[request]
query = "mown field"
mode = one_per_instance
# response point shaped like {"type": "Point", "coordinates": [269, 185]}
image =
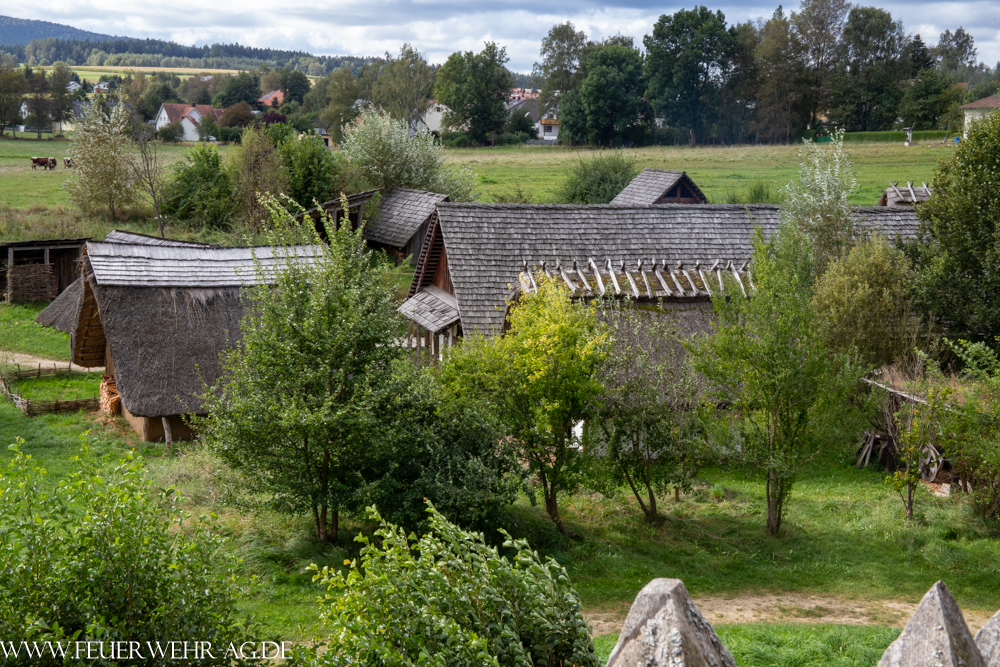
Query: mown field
{"type": "Point", "coordinates": [541, 170]}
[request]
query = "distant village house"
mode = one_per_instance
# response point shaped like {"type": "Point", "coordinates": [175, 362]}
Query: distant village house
{"type": "Point", "coordinates": [188, 115]}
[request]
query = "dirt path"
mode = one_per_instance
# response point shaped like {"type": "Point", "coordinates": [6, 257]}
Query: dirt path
{"type": "Point", "coordinates": [29, 361]}
{"type": "Point", "coordinates": [786, 608]}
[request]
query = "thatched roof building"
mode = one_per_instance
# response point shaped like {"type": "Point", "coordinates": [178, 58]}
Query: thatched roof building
{"type": "Point", "coordinates": [158, 316]}
{"type": "Point", "coordinates": [403, 218]}
{"type": "Point", "coordinates": [907, 195]}
{"type": "Point", "coordinates": [660, 186]}
{"type": "Point", "coordinates": [61, 313]}
{"type": "Point", "coordinates": [475, 253]}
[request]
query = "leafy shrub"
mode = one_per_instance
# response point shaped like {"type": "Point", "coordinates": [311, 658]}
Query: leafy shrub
{"type": "Point", "coordinates": [200, 189]}
{"type": "Point", "coordinates": [255, 168]}
{"type": "Point", "coordinates": [448, 599]}
{"type": "Point", "coordinates": [171, 133]}
{"type": "Point", "coordinates": [103, 556]}
{"type": "Point", "coordinates": [313, 170]}
{"type": "Point", "coordinates": [599, 179]}
{"type": "Point", "coordinates": [456, 140]}
{"type": "Point", "coordinates": [866, 302]}
{"type": "Point", "coordinates": [386, 156]}
{"type": "Point", "coordinates": [520, 120]}
{"type": "Point", "coordinates": [238, 115]}
{"type": "Point", "coordinates": [438, 450]}
{"type": "Point", "coordinates": [232, 135]}
{"type": "Point", "coordinates": [512, 138]}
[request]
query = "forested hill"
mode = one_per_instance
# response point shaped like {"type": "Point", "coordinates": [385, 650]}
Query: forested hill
{"type": "Point", "coordinates": [21, 31]}
{"type": "Point", "coordinates": [44, 43]}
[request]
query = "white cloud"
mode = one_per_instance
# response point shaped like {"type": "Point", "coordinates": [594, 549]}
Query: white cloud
{"type": "Point", "coordinates": [440, 27]}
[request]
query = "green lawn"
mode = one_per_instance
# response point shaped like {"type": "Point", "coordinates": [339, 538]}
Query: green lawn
{"type": "Point", "coordinates": [795, 645]}
{"type": "Point", "coordinates": [540, 170]}
{"type": "Point", "coordinates": [19, 333]}
{"type": "Point", "coordinates": [60, 388]}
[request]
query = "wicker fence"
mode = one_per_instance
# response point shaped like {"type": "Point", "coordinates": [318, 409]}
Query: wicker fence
{"type": "Point", "coordinates": [27, 283]}
{"type": "Point", "coordinates": [33, 408]}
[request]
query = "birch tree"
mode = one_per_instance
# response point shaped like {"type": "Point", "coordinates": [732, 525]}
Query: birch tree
{"type": "Point", "coordinates": [103, 179]}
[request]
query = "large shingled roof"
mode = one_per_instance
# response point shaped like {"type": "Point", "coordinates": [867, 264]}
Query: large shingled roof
{"type": "Point", "coordinates": [115, 264]}
{"type": "Point", "coordinates": [651, 184]}
{"type": "Point", "coordinates": [400, 215]}
{"type": "Point", "coordinates": [488, 244]}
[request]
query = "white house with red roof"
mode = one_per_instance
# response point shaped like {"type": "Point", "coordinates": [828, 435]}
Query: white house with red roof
{"type": "Point", "coordinates": [188, 115]}
{"type": "Point", "coordinates": [979, 109]}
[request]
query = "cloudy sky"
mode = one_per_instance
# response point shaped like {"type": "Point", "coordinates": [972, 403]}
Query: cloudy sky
{"type": "Point", "coordinates": [440, 27]}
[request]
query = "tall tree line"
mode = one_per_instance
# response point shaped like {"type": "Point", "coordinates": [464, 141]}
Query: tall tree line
{"type": "Point", "coordinates": [701, 80]}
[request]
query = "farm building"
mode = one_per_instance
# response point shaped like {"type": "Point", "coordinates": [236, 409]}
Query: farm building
{"type": "Point", "coordinates": [38, 270]}
{"type": "Point", "coordinates": [474, 254]}
{"type": "Point", "coordinates": [978, 110]}
{"type": "Point", "coordinates": [402, 222]}
{"type": "Point", "coordinates": [659, 186]}
{"type": "Point", "coordinates": [61, 313]}
{"type": "Point", "coordinates": [157, 318]}
{"type": "Point", "coordinates": [907, 195]}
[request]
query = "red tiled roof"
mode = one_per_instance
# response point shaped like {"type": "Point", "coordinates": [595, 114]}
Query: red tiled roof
{"type": "Point", "coordinates": [991, 102]}
{"type": "Point", "coordinates": [266, 99]}
{"type": "Point", "coordinates": [178, 112]}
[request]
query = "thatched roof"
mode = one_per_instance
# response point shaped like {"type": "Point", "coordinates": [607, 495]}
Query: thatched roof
{"type": "Point", "coordinates": [483, 247]}
{"type": "Point", "coordinates": [905, 195]}
{"type": "Point", "coordinates": [401, 214]}
{"type": "Point", "coordinates": [651, 186]}
{"type": "Point", "coordinates": [61, 313]}
{"type": "Point", "coordinates": [165, 314]}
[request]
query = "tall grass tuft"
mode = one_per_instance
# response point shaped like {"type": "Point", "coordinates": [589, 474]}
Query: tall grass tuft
{"type": "Point", "coordinates": [759, 191]}
{"type": "Point", "coordinates": [599, 179]}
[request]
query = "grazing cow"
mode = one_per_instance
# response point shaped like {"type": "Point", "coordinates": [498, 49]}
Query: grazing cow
{"type": "Point", "coordinates": [42, 162]}
{"type": "Point", "coordinates": [52, 163]}
{"type": "Point", "coordinates": [67, 162]}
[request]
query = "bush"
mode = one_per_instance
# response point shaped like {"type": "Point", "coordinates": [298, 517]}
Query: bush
{"type": "Point", "coordinates": [599, 179]}
{"type": "Point", "coordinates": [171, 133]}
{"type": "Point", "coordinates": [456, 140]}
{"type": "Point", "coordinates": [232, 135]}
{"type": "Point", "coordinates": [313, 170]}
{"type": "Point", "coordinates": [448, 599]}
{"type": "Point", "coordinates": [512, 138]}
{"type": "Point", "coordinates": [238, 115]}
{"type": "Point", "coordinates": [255, 168]}
{"type": "Point", "coordinates": [386, 156]}
{"type": "Point", "coordinates": [200, 189]}
{"type": "Point", "coordinates": [865, 300]}
{"type": "Point", "coordinates": [104, 556]}
{"type": "Point", "coordinates": [438, 450]}
{"type": "Point", "coordinates": [520, 120]}
{"type": "Point", "coordinates": [759, 191]}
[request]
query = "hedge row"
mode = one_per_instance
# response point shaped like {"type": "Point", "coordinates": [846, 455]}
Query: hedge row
{"type": "Point", "coordinates": [892, 137]}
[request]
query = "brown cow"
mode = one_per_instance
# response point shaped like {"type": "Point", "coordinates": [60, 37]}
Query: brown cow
{"type": "Point", "coordinates": [52, 163]}
{"type": "Point", "coordinates": [42, 162]}
{"type": "Point", "coordinates": [67, 162]}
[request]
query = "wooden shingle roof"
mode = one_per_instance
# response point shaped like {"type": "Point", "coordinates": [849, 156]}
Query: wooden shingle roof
{"type": "Point", "coordinates": [904, 195]}
{"type": "Point", "coordinates": [400, 215]}
{"type": "Point", "coordinates": [651, 184]}
{"type": "Point", "coordinates": [487, 245]}
{"type": "Point", "coordinates": [134, 238]}
{"type": "Point", "coordinates": [115, 264]}
{"type": "Point", "coordinates": [432, 308]}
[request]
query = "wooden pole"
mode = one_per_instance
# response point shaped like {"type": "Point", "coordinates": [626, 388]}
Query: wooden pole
{"type": "Point", "coordinates": [167, 434]}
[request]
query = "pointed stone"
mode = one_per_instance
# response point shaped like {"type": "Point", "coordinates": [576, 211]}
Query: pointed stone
{"type": "Point", "coordinates": [664, 628]}
{"type": "Point", "coordinates": [988, 641]}
{"type": "Point", "coordinates": [935, 636]}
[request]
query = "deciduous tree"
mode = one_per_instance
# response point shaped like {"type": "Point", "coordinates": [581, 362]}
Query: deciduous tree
{"type": "Point", "coordinates": [13, 87]}
{"type": "Point", "coordinates": [475, 88]}
{"type": "Point", "coordinates": [560, 70]}
{"type": "Point", "coordinates": [612, 93]}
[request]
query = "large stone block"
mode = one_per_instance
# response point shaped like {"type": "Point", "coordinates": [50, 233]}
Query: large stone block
{"type": "Point", "coordinates": [988, 641]}
{"type": "Point", "coordinates": [664, 628]}
{"type": "Point", "coordinates": [935, 636]}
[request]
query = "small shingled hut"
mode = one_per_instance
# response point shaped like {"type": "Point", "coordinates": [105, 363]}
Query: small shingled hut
{"type": "Point", "coordinates": [474, 254]}
{"type": "Point", "coordinates": [660, 186]}
{"type": "Point", "coordinates": [403, 218]}
{"type": "Point", "coordinates": [61, 313]}
{"type": "Point", "coordinates": [908, 195]}
{"type": "Point", "coordinates": [157, 317]}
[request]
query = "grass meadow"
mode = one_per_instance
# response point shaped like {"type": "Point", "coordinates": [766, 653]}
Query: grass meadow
{"type": "Point", "coordinates": [833, 589]}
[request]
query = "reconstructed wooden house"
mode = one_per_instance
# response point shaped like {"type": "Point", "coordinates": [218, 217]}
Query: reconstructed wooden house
{"type": "Point", "coordinates": [907, 195]}
{"type": "Point", "coordinates": [61, 313]}
{"type": "Point", "coordinates": [660, 186]}
{"type": "Point", "coordinates": [474, 255]}
{"type": "Point", "coordinates": [157, 318]}
{"type": "Point", "coordinates": [38, 270]}
{"type": "Point", "coordinates": [403, 218]}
